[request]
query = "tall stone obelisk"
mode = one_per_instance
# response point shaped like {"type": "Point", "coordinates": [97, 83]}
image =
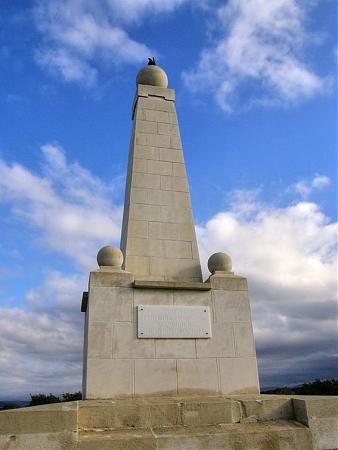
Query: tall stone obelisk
{"type": "Point", "coordinates": [158, 236]}
{"type": "Point", "coordinates": [153, 327]}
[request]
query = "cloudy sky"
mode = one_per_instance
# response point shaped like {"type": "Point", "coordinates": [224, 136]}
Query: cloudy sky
{"type": "Point", "coordinates": [255, 85]}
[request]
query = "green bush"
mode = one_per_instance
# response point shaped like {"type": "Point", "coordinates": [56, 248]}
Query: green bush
{"type": "Point", "coordinates": [43, 399]}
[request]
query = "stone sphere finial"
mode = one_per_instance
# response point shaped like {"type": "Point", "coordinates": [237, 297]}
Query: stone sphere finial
{"type": "Point", "coordinates": [219, 262]}
{"type": "Point", "coordinates": [110, 256]}
{"type": "Point", "coordinates": [152, 75]}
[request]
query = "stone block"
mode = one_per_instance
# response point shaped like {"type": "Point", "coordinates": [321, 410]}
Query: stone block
{"type": "Point", "coordinates": [127, 345]}
{"type": "Point", "coordinates": [151, 197]}
{"type": "Point", "coordinates": [220, 345]}
{"type": "Point", "coordinates": [138, 228]}
{"type": "Point", "coordinates": [193, 298]}
{"type": "Point", "coordinates": [153, 140]}
{"type": "Point", "coordinates": [174, 184]}
{"type": "Point", "coordinates": [179, 170]}
{"type": "Point", "coordinates": [269, 436]}
{"type": "Point", "coordinates": [175, 141]}
{"type": "Point", "coordinates": [146, 212]}
{"type": "Point", "coordinates": [171, 231]}
{"type": "Point", "coordinates": [146, 247]}
{"type": "Point", "coordinates": [153, 166]}
{"type": "Point", "coordinates": [145, 90]}
{"type": "Point", "coordinates": [99, 339]}
{"type": "Point", "coordinates": [175, 348]}
{"type": "Point", "coordinates": [174, 215]}
{"type": "Point", "coordinates": [139, 264]}
{"type": "Point", "coordinates": [110, 303]}
{"type": "Point", "coordinates": [172, 117]}
{"type": "Point", "coordinates": [153, 297]}
{"type": "Point", "coordinates": [155, 376]}
{"type": "Point", "coordinates": [39, 441]}
{"type": "Point", "coordinates": [244, 339]}
{"type": "Point", "coordinates": [101, 278]}
{"type": "Point", "coordinates": [128, 413]}
{"type": "Point", "coordinates": [108, 377]}
{"type": "Point", "coordinates": [228, 282]}
{"type": "Point", "coordinates": [146, 180]}
{"type": "Point", "coordinates": [175, 268]}
{"type": "Point", "coordinates": [210, 412]}
{"type": "Point", "coordinates": [320, 414]}
{"type": "Point", "coordinates": [180, 200]}
{"type": "Point", "coordinates": [267, 407]}
{"type": "Point", "coordinates": [166, 267]}
{"type": "Point", "coordinates": [156, 104]}
{"type": "Point", "coordinates": [231, 306]}
{"type": "Point", "coordinates": [168, 128]}
{"type": "Point", "coordinates": [146, 152]}
{"type": "Point", "coordinates": [197, 375]}
{"type": "Point", "coordinates": [177, 249]}
{"type": "Point", "coordinates": [39, 419]}
{"type": "Point", "coordinates": [140, 165]}
{"type": "Point", "coordinates": [155, 116]}
{"type": "Point", "coordinates": [145, 126]}
{"type": "Point", "coordinates": [239, 375]}
{"type": "Point", "coordinates": [170, 154]}
{"type": "Point", "coordinates": [189, 270]}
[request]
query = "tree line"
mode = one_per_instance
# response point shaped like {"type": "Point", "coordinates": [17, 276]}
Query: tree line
{"type": "Point", "coordinates": [316, 387]}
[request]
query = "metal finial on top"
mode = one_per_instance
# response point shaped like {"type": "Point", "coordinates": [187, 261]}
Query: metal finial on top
{"type": "Point", "coordinates": [151, 61]}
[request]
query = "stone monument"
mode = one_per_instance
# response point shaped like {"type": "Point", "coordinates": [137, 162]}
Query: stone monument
{"type": "Point", "coordinates": [169, 359]}
{"type": "Point", "coordinates": [153, 326]}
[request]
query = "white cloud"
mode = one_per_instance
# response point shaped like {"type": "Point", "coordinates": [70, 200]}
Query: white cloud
{"type": "Point", "coordinates": [306, 187]}
{"type": "Point", "coordinates": [40, 352]}
{"type": "Point", "coordinates": [70, 212]}
{"type": "Point", "coordinates": [258, 54]}
{"type": "Point", "coordinates": [69, 67]}
{"type": "Point", "coordinates": [77, 34]}
{"type": "Point", "coordinates": [69, 207]}
{"type": "Point", "coordinates": [289, 256]}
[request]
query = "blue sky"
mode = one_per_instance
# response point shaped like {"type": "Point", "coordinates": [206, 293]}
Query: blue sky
{"type": "Point", "coordinates": [255, 88]}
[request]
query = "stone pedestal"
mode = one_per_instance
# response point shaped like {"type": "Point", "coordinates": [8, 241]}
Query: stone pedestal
{"type": "Point", "coordinates": [119, 363]}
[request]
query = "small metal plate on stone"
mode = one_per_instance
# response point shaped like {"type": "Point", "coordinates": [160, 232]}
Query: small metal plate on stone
{"type": "Point", "coordinates": [173, 321]}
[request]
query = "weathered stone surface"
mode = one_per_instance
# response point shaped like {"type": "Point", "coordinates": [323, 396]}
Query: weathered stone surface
{"type": "Point", "coordinates": [157, 194]}
{"type": "Point", "coordinates": [107, 376]}
{"type": "Point", "coordinates": [196, 422]}
{"type": "Point", "coordinates": [228, 282]}
{"type": "Point", "coordinates": [110, 257]}
{"type": "Point", "coordinates": [219, 346]}
{"type": "Point", "coordinates": [52, 418]}
{"type": "Point", "coordinates": [152, 76]}
{"type": "Point", "coordinates": [239, 375]}
{"type": "Point", "coordinates": [155, 376]}
{"type": "Point", "coordinates": [155, 91]}
{"type": "Point", "coordinates": [100, 339]}
{"type": "Point", "coordinates": [177, 285]}
{"type": "Point", "coordinates": [113, 302]}
{"type": "Point", "coordinates": [244, 339]}
{"type": "Point", "coordinates": [197, 375]}
{"type": "Point", "coordinates": [127, 345]}
{"type": "Point", "coordinates": [320, 414]}
{"type": "Point", "coordinates": [231, 306]}
{"type": "Point", "coordinates": [110, 278]}
{"type": "Point", "coordinates": [175, 348]}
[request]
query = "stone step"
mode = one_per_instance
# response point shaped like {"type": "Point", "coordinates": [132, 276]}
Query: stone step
{"type": "Point", "coordinates": [155, 412]}
{"type": "Point", "coordinates": [174, 411]}
{"type": "Point", "coordinates": [278, 435]}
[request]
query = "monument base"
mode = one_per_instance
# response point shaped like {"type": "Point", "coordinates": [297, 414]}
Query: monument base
{"type": "Point", "coordinates": [248, 422]}
{"type": "Point", "coordinates": [178, 352]}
